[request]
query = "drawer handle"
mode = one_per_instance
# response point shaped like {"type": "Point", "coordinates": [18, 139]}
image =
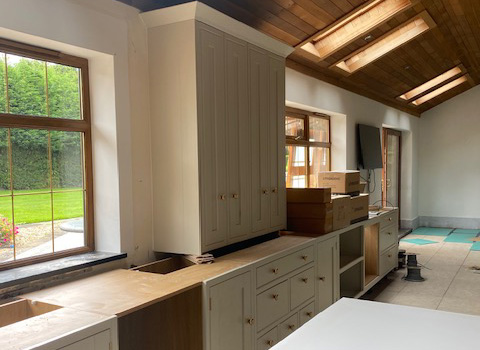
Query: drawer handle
{"type": "Point", "coordinates": [222, 197]}
{"type": "Point", "coordinates": [389, 233]}
{"type": "Point", "coordinates": [389, 255]}
{"type": "Point", "coordinates": [305, 257]}
{"type": "Point", "coordinates": [274, 190]}
{"type": "Point", "coordinates": [235, 196]}
{"type": "Point", "coordinates": [251, 321]}
{"type": "Point", "coordinates": [291, 327]}
{"type": "Point", "coordinates": [390, 219]}
{"type": "Point", "coordinates": [270, 342]}
{"type": "Point", "coordinates": [305, 280]}
{"type": "Point", "coordinates": [275, 271]}
{"type": "Point", "coordinates": [321, 279]}
{"type": "Point", "coordinates": [264, 191]}
{"type": "Point", "coordinates": [309, 314]}
{"type": "Point", "coordinates": [275, 296]}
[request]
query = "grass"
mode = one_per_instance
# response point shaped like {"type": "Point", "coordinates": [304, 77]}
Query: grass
{"type": "Point", "coordinates": [37, 207]}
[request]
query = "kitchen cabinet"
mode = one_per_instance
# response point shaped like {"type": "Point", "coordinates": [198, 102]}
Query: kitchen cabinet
{"type": "Point", "coordinates": [327, 280]}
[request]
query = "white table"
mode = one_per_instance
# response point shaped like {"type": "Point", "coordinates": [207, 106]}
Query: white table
{"type": "Point", "coordinates": [352, 324]}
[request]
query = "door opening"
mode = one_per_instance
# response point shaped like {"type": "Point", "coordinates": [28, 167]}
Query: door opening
{"type": "Point", "coordinates": [391, 173]}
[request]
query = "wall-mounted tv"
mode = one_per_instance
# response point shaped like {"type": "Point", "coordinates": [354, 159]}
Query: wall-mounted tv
{"type": "Point", "coordinates": [370, 148]}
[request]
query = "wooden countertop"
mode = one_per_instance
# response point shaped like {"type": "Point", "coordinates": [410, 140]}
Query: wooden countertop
{"type": "Point", "coordinates": [43, 328]}
{"type": "Point", "coordinates": [121, 292]}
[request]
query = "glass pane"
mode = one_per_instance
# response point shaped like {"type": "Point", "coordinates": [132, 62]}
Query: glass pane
{"type": "Point", "coordinates": [68, 216]}
{"type": "Point", "coordinates": [30, 160]}
{"type": "Point", "coordinates": [294, 127]}
{"type": "Point", "coordinates": [4, 163]}
{"type": "Point", "coordinates": [7, 230]}
{"type": "Point", "coordinates": [296, 166]}
{"type": "Point", "coordinates": [318, 129]}
{"type": "Point", "coordinates": [319, 161]}
{"type": "Point", "coordinates": [67, 161]}
{"type": "Point", "coordinates": [63, 91]}
{"type": "Point", "coordinates": [3, 90]}
{"type": "Point", "coordinates": [33, 217]}
{"type": "Point", "coordinates": [26, 86]}
{"type": "Point", "coordinates": [393, 153]}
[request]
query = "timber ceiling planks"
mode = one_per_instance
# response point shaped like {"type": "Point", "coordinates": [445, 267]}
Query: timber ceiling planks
{"type": "Point", "coordinates": [453, 41]}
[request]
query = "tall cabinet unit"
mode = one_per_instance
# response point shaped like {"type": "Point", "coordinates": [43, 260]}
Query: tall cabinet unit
{"type": "Point", "coordinates": [217, 92]}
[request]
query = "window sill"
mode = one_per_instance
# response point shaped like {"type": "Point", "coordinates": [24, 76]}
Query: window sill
{"type": "Point", "coordinates": [45, 270]}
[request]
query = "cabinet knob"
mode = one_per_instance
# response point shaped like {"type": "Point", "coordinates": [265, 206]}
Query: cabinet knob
{"type": "Point", "coordinates": [321, 279]}
{"type": "Point", "coordinates": [389, 233]}
{"type": "Point", "coordinates": [275, 270]}
{"type": "Point", "coordinates": [389, 255]}
{"type": "Point", "coordinates": [305, 280]}
{"type": "Point", "coordinates": [309, 314]}
{"type": "Point", "coordinates": [274, 190]}
{"type": "Point", "coordinates": [270, 342]}
{"type": "Point", "coordinates": [235, 196]}
{"type": "Point", "coordinates": [222, 197]}
{"type": "Point", "coordinates": [390, 219]}
{"type": "Point", "coordinates": [291, 327]}
{"type": "Point", "coordinates": [275, 296]}
{"type": "Point", "coordinates": [251, 321]}
{"type": "Point", "coordinates": [264, 191]}
{"type": "Point", "coordinates": [305, 257]}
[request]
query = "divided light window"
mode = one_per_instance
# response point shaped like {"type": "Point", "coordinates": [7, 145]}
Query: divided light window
{"type": "Point", "coordinates": [307, 147]}
{"type": "Point", "coordinates": [45, 155]}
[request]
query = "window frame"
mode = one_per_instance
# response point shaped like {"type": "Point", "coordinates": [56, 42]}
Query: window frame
{"type": "Point", "coordinates": [305, 140]}
{"type": "Point", "coordinates": [11, 120]}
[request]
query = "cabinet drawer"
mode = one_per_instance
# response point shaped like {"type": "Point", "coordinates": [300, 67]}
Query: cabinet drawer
{"type": "Point", "coordinates": [388, 260]}
{"type": "Point", "coordinates": [302, 287]}
{"type": "Point", "coordinates": [389, 219]}
{"type": "Point", "coordinates": [268, 340]}
{"type": "Point", "coordinates": [287, 327]}
{"type": "Point", "coordinates": [269, 272]}
{"type": "Point", "coordinates": [306, 313]}
{"type": "Point", "coordinates": [272, 304]}
{"type": "Point", "coordinates": [388, 237]}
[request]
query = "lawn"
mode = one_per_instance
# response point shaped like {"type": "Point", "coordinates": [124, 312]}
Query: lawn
{"type": "Point", "coordinates": [37, 207]}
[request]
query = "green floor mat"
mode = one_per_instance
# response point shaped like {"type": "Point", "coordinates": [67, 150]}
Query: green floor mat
{"type": "Point", "coordinates": [460, 238]}
{"type": "Point", "coordinates": [432, 231]}
{"type": "Point", "coordinates": [461, 231]}
{"type": "Point", "coordinates": [418, 241]}
{"type": "Point", "coordinates": [475, 246]}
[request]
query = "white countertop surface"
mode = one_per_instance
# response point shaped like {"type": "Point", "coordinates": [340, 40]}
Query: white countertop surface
{"type": "Point", "coordinates": [352, 324]}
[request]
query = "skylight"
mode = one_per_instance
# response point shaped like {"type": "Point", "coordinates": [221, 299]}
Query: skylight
{"type": "Point", "coordinates": [353, 26]}
{"type": "Point", "coordinates": [440, 90]}
{"type": "Point", "coordinates": [386, 43]}
{"type": "Point", "coordinates": [431, 83]}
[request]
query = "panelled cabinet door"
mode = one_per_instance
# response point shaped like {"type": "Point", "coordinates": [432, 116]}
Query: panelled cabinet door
{"type": "Point", "coordinates": [260, 124]}
{"type": "Point", "coordinates": [212, 135]}
{"type": "Point", "coordinates": [238, 141]}
{"type": "Point", "coordinates": [231, 315]}
{"type": "Point", "coordinates": [327, 273]}
{"type": "Point", "coordinates": [277, 141]}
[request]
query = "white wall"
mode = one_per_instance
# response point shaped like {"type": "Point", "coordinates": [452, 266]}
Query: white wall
{"type": "Point", "coordinates": [113, 38]}
{"type": "Point", "coordinates": [349, 109]}
{"type": "Point", "coordinates": [449, 162]}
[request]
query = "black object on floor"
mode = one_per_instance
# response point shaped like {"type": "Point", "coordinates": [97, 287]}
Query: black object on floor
{"type": "Point", "coordinates": [402, 255]}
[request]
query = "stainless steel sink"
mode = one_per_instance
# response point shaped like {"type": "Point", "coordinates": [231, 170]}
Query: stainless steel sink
{"type": "Point", "coordinates": [22, 309]}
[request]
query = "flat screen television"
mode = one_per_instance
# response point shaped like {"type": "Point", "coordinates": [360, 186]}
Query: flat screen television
{"type": "Point", "coordinates": [370, 155]}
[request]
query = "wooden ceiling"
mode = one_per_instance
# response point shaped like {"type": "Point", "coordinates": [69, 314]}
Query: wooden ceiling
{"type": "Point", "coordinates": [453, 41]}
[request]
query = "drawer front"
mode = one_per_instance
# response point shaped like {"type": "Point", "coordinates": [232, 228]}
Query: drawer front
{"type": "Point", "coordinates": [306, 313]}
{"type": "Point", "coordinates": [388, 260]}
{"type": "Point", "coordinates": [388, 237]}
{"type": "Point", "coordinates": [287, 327]}
{"type": "Point", "coordinates": [268, 340]}
{"type": "Point", "coordinates": [272, 304]}
{"type": "Point", "coordinates": [277, 268]}
{"type": "Point", "coordinates": [302, 287]}
{"type": "Point", "coordinates": [389, 219]}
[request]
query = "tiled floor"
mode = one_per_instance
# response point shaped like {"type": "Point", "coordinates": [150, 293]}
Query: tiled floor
{"type": "Point", "coordinates": [450, 285]}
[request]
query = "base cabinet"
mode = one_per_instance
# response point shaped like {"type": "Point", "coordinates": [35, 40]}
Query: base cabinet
{"type": "Point", "coordinates": [327, 280]}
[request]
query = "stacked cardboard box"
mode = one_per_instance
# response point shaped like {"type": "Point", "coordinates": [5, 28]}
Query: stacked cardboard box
{"type": "Point", "coordinates": [341, 211]}
{"type": "Point", "coordinates": [359, 208]}
{"type": "Point", "coordinates": [341, 182]}
{"type": "Point", "coordinates": [310, 210]}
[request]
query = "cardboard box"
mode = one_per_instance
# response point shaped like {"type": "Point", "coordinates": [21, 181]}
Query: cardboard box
{"type": "Point", "coordinates": [311, 226]}
{"type": "Point", "coordinates": [309, 195]}
{"type": "Point", "coordinates": [341, 211]}
{"type": "Point", "coordinates": [341, 182]}
{"type": "Point", "coordinates": [359, 208]}
{"type": "Point", "coordinates": [309, 210]}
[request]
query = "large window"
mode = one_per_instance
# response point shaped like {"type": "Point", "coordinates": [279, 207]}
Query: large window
{"type": "Point", "coordinates": [307, 147]}
{"type": "Point", "coordinates": [45, 155]}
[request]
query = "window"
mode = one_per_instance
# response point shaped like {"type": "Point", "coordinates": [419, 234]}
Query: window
{"type": "Point", "coordinates": [307, 148]}
{"type": "Point", "coordinates": [46, 208]}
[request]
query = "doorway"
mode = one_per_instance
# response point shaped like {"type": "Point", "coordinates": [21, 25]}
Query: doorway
{"type": "Point", "coordinates": [391, 177]}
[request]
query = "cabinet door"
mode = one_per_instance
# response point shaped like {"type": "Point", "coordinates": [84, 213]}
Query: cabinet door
{"type": "Point", "coordinates": [258, 88]}
{"type": "Point", "coordinates": [277, 141]}
{"type": "Point", "coordinates": [212, 135]}
{"type": "Point", "coordinates": [327, 273]}
{"type": "Point", "coordinates": [238, 143]}
{"type": "Point", "coordinates": [230, 318]}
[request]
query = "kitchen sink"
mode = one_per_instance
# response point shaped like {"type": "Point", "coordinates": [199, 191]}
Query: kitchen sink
{"type": "Point", "coordinates": [22, 309]}
{"type": "Point", "coordinates": [165, 266]}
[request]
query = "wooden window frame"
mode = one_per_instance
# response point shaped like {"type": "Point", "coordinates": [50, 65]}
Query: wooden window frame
{"type": "Point", "coordinates": [305, 140]}
{"type": "Point", "coordinates": [10, 120]}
